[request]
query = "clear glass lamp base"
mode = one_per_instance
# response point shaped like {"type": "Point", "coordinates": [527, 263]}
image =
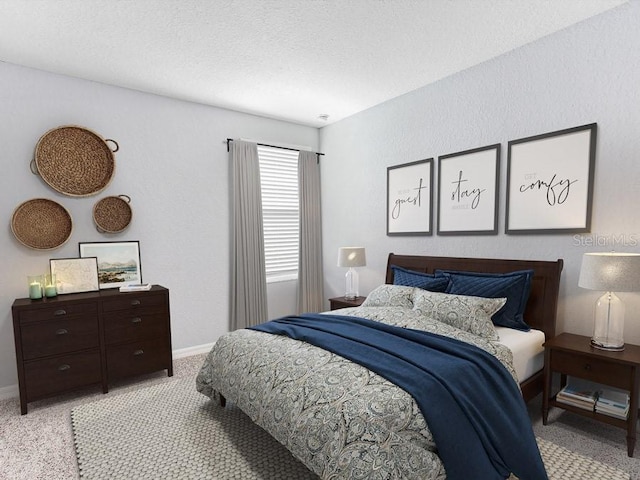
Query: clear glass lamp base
{"type": "Point", "coordinates": [608, 323]}
{"type": "Point", "coordinates": [351, 291]}
{"type": "Point", "coordinates": [603, 346]}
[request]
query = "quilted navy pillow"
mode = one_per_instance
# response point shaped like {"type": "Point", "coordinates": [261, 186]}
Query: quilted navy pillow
{"type": "Point", "coordinates": [425, 281]}
{"type": "Point", "coordinates": [514, 286]}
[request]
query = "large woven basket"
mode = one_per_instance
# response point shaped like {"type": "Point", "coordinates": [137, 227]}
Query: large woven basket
{"type": "Point", "coordinates": [112, 214]}
{"type": "Point", "coordinates": [41, 223]}
{"type": "Point", "coordinates": [74, 160]}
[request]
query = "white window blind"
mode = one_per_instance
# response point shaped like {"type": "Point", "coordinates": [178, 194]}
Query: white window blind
{"type": "Point", "coordinates": [280, 210]}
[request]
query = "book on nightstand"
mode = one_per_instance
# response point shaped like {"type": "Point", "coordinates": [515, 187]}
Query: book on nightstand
{"type": "Point", "coordinates": [579, 393]}
{"type": "Point", "coordinates": [614, 403]}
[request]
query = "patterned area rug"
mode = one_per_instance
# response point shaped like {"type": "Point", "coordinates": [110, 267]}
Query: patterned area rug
{"type": "Point", "coordinates": [170, 431]}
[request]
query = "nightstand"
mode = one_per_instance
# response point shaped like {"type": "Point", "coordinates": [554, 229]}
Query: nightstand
{"type": "Point", "coordinates": [573, 355]}
{"type": "Point", "coordinates": [342, 302]}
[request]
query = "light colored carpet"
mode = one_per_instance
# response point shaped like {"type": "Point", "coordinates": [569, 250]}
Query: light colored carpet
{"type": "Point", "coordinates": [565, 464]}
{"type": "Point", "coordinates": [170, 431]}
{"type": "Point", "coordinates": [39, 445]}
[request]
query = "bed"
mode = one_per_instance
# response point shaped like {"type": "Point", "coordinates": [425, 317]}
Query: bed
{"type": "Point", "coordinates": [541, 308]}
{"type": "Point", "coordinates": [344, 420]}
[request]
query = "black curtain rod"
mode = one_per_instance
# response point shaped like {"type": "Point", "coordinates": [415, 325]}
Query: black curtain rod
{"type": "Point", "coordinates": [229, 140]}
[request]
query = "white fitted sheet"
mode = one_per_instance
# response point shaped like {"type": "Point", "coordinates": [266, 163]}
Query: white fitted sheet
{"type": "Point", "coordinates": [527, 349]}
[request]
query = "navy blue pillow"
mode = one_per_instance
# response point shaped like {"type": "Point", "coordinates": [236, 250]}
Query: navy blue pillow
{"type": "Point", "coordinates": [425, 281]}
{"type": "Point", "coordinates": [514, 286]}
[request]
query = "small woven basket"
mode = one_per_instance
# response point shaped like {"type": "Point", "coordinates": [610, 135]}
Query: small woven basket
{"type": "Point", "coordinates": [41, 224]}
{"type": "Point", "coordinates": [74, 161]}
{"type": "Point", "coordinates": [112, 214]}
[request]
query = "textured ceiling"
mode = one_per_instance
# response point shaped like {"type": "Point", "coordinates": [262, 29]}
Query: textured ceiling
{"type": "Point", "coordinates": [287, 59]}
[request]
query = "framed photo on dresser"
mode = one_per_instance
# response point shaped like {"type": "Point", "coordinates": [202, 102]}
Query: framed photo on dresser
{"type": "Point", "coordinates": [75, 275]}
{"type": "Point", "coordinates": [118, 262]}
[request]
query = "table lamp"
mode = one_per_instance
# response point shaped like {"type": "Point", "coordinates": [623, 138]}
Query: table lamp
{"type": "Point", "coordinates": [609, 272]}
{"type": "Point", "coordinates": [351, 257]}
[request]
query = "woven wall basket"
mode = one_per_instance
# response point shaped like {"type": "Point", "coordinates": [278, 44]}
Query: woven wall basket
{"type": "Point", "coordinates": [74, 160]}
{"type": "Point", "coordinates": [112, 214]}
{"type": "Point", "coordinates": [41, 224]}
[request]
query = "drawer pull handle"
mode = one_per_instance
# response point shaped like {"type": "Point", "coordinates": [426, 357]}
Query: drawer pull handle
{"type": "Point", "coordinates": [135, 302]}
{"type": "Point", "coordinates": [62, 331]}
{"type": "Point", "coordinates": [136, 320]}
{"type": "Point", "coordinates": [64, 367]}
{"type": "Point", "coordinates": [60, 312]}
{"type": "Point", "coordinates": [138, 352]}
{"type": "Point", "coordinates": [587, 367]}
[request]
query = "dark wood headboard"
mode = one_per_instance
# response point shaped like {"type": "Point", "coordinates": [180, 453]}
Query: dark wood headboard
{"type": "Point", "coordinates": [543, 300]}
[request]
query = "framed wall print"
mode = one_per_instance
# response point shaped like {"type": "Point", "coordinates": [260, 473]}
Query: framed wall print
{"type": "Point", "coordinates": [550, 182]}
{"type": "Point", "coordinates": [409, 198]}
{"type": "Point", "coordinates": [468, 192]}
{"type": "Point", "coordinates": [118, 262]}
{"type": "Point", "coordinates": [74, 275]}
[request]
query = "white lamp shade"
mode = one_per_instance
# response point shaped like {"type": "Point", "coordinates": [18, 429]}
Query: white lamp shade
{"type": "Point", "coordinates": [610, 272]}
{"type": "Point", "coordinates": [351, 257]}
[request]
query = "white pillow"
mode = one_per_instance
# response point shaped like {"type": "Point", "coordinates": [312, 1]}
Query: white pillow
{"type": "Point", "coordinates": [471, 314]}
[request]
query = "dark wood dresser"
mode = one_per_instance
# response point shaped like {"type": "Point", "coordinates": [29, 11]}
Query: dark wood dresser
{"type": "Point", "coordinates": [83, 339]}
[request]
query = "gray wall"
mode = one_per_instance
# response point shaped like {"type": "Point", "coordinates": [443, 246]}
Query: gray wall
{"type": "Point", "coordinates": [587, 73]}
{"type": "Point", "coordinates": [172, 163]}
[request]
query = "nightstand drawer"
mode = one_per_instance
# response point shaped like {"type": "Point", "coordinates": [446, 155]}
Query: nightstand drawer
{"type": "Point", "coordinates": [134, 301]}
{"type": "Point", "coordinates": [136, 326]}
{"type": "Point", "coordinates": [62, 373]}
{"type": "Point", "coordinates": [59, 336]}
{"type": "Point", "coordinates": [593, 369]}
{"type": "Point", "coordinates": [138, 357]}
{"type": "Point", "coordinates": [62, 310]}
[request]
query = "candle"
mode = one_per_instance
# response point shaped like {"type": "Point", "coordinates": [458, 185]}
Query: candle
{"type": "Point", "coordinates": [50, 285]}
{"type": "Point", "coordinates": [36, 283]}
{"type": "Point", "coordinates": [35, 291]}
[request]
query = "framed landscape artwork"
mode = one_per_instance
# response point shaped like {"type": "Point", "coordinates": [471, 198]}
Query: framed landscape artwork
{"type": "Point", "coordinates": [118, 262]}
{"type": "Point", "coordinates": [409, 198]}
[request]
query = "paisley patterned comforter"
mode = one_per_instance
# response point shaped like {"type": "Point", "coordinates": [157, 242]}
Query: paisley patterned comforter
{"type": "Point", "coordinates": [340, 419]}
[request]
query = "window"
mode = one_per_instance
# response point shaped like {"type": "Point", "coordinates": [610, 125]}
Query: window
{"type": "Point", "coordinates": [280, 211]}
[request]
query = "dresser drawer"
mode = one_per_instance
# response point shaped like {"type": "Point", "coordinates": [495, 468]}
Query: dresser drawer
{"type": "Point", "coordinates": [62, 373]}
{"type": "Point", "coordinates": [137, 357]}
{"type": "Point", "coordinates": [138, 325]}
{"type": "Point", "coordinates": [54, 312]}
{"type": "Point", "coordinates": [133, 300]}
{"type": "Point", "coordinates": [596, 370]}
{"type": "Point", "coordinates": [62, 335]}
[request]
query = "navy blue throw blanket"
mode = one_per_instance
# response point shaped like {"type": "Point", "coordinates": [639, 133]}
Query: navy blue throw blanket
{"type": "Point", "coordinates": [472, 405]}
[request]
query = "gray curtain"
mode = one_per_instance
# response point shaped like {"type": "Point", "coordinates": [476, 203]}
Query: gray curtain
{"type": "Point", "coordinates": [248, 278]}
{"type": "Point", "coordinates": [310, 278]}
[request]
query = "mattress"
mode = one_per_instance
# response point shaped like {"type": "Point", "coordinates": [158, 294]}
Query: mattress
{"type": "Point", "coordinates": [527, 349]}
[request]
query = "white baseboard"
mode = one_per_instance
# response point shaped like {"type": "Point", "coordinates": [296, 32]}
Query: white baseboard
{"type": "Point", "coordinates": [12, 391]}
{"type": "Point", "coordinates": [189, 351]}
